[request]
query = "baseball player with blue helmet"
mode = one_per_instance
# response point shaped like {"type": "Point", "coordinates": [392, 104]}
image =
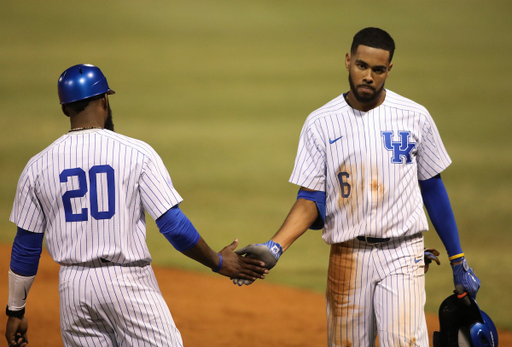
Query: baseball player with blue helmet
{"type": "Point", "coordinates": [367, 163]}
{"type": "Point", "coordinates": [87, 195]}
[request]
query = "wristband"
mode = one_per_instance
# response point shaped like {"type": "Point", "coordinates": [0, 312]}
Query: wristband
{"type": "Point", "coordinates": [19, 286]}
{"type": "Point", "coordinates": [460, 255]}
{"type": "Point", "coordinates": [220, 264]}
{"type": "Point", "coordinates": [16, 314]}
{"type": "Point", "coordinates": [275, 248]}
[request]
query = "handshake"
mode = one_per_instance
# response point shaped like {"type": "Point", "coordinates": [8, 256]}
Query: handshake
{"type": "Point", "coordinates": [268, 252]}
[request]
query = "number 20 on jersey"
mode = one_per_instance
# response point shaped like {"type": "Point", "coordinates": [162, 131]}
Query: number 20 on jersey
{"type": "Point", "coordinates": [83, 189]}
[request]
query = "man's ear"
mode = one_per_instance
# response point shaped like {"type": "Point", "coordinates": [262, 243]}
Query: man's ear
{"type": "Point", "coordinates": [64, 110]}
{"type": "Point", "coordinates": [105, 98]}
{"type": "Point", "coordinates": [347, 61]}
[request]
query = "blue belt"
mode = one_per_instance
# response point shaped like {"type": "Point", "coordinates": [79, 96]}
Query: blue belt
{"type": "Point", "coordinates": [373, 239]}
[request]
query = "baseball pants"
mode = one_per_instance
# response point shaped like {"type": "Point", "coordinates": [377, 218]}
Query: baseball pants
{"type": "Point", "coordinates": [112, 305]}
{"type": "Point", "coordinates": [377, 289]}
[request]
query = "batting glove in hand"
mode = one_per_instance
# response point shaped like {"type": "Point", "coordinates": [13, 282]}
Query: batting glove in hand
{"type": "Point", "coordinates": [464, 276]}
{"type": "Point", "coordinates": [268, 252]}
{"type": "Point", "coordinates": [431, 254]}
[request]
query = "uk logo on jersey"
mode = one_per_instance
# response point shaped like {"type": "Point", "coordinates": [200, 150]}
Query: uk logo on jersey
{"type": "Point", "coordinates": [401, 149]}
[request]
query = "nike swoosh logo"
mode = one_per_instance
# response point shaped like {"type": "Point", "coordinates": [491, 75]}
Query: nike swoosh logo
{"type": "Point", "coordinates": [332, 141]}
{"type": "Point", "coordinates": [25, 289]}
{"type": "Point", "coordinates": [417, 260]}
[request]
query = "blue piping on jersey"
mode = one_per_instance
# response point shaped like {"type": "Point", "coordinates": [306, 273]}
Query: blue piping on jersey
{"type": "Point", "coordinates": [178, 229]}
{"type": "Point", "coordinates": [320, 199]}
{"type": "Point", "coordinates": [26, 252]}
{"type": "Point", "coordinates": [440, 212]}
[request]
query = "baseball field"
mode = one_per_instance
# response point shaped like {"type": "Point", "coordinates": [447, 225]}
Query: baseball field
{"type": "Point", "coordinates": [220, 90]}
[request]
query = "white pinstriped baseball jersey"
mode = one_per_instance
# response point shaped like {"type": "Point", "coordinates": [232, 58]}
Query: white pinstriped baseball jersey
{"type": "Point", "coordinates": [368, 163]}
{"type": "Point", "coordinates": [78, 190]}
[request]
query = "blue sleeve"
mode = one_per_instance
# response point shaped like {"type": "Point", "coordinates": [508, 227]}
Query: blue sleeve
{"type": "Point", "coordinates": [178, 229]}
{"type": "Point", "coordinates": [440, 212]}
{"type": "Point", "coordinates": [26, 252]}
{"type": "Point", "coordinates": [320, 199]}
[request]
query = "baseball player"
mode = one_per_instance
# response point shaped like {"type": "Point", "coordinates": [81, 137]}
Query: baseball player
{"type": "Point", "coordinates": [367, 163]}
{"type": "Point", "coordinates": [87, 194]}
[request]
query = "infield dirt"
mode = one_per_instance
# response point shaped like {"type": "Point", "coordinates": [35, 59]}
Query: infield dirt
{"type": "Point", "coordinates": [208, 309]}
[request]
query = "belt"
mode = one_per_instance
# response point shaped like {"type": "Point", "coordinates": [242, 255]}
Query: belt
{"type": "Point", "coordinates": [372, 239]}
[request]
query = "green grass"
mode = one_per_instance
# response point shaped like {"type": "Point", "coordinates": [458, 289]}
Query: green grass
{"type": "Point", "coordinates": [221, 89]}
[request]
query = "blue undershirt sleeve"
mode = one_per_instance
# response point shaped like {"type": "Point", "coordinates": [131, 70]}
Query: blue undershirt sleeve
{"type": "Point", "coordinates": [320, 199]}
{"type": "Point", "coordinates": [440, 212]}
{"type": "Point", "coordinates": [26, 252]}
{"type": "Point", "coordinates": [178, 229]}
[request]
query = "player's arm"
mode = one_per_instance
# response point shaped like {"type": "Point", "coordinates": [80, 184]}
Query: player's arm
{"type": "Point", "coordinates": [308, 212]}
{"type": "Point", "coordinates": [25, 255]}
{"type": "Point", "coordinates": [182, 234]}
{"type": "Point", "coordinates": [441, 215]}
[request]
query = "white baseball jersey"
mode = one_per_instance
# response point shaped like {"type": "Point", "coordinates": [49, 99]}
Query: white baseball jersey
{"type": "Point", "coordinates": [88, 192]}
{"type": "Point", "coordinates": [368, 163]}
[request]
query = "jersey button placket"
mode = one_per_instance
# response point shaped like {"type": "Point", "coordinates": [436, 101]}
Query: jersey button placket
{"type": "Point", "coordinates": [366, 165]}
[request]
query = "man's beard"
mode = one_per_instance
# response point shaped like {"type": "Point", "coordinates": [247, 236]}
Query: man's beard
{"type": "Point", "coordinates": [364, 99]}
{"type": "Point", "coordinates": [109, 124]}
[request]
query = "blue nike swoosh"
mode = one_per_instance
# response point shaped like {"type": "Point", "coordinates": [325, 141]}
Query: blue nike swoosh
{"type": "Point", "coordinates": [332, 141]}
{"type": "Point", "coordinates": [417, 260]}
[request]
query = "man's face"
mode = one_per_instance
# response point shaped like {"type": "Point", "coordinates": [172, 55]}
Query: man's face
{"type": "Point", "coordinates": [368, 69]}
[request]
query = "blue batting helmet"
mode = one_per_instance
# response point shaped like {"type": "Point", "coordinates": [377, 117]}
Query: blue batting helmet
{"type": "Point", "coordinates": [81, 82]}
{"type": "Point", "coordinates": [463, 324]}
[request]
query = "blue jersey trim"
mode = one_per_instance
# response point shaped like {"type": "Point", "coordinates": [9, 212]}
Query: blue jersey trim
{"type": "Point", "coordinates": [178, 229]}
{"type": "Point", "coordinates": [440, 212]}
{"type": "Point", "coordinates": [320, 199]}
{"type": "Point", "coordinates": [26, 252]}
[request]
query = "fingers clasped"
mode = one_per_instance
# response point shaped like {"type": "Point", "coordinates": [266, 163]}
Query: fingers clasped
{"type": "Point", "coordinates": [268, 252]}
{"type": "Point", "coordinates": [236, 266]}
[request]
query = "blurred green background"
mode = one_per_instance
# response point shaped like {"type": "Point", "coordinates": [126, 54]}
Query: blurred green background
{"type": "Point", "coordinates": [221, 89]}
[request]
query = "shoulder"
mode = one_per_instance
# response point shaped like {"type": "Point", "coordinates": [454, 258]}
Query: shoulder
{"type": "Point", "coordinates": [335, 106]}
{"type": "Point", "coordinates": [44, 155]}
{"type": "Point", "coordinates": [129, 142]}
{"type": "Point", "coordinates": [400, 102]}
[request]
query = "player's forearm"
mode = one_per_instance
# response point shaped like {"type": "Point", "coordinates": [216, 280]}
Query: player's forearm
{"type": "Point", "coordinates": [203, 254]}
{"type": "Point", "coordinates": [441, 214]}
{"type": "Point", "coordinates": [19, 286]}
{"type": "Point", "coordinates": [26, 251]}
{"type": "Point", "coordinates": [301, 217]}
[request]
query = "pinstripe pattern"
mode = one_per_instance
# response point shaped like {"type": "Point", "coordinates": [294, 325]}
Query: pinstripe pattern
{"type": "Point", "coordinates": [385, 200]}
{"type": "Point", "coordinates": [114, 306]}
{"type": "Point", "coordinates": [142, 183]}
{"type": "Point", "coordinates": [369, 164]}
{"type": "Point", "coordinates": [88, 192]}
{"type": "Point", "coordinates": [374, 289]}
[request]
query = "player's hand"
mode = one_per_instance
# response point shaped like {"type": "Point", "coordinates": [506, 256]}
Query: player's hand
{"type": "Point", "coordinates": [237, 266]}
{"type": "Point", "coordinates": [16, 332]}
{"type": "Point", "coordinates": [463, 276]}
{"type": "Point", "coordinates": [431, 254]}
{"type": "Point", "coordinates": [268, 252]}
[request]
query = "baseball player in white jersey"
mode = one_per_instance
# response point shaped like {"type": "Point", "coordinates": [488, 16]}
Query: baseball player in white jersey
{"type": "Point", "coordinates": [367, 163]}
{"type": "Point", "coordinates": [87, 194]}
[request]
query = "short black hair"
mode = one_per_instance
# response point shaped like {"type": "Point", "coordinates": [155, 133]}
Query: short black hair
{"type": "Point", "coordinates": [375, 38]}
{"type": "Point", "coordinates": [80, 105]}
